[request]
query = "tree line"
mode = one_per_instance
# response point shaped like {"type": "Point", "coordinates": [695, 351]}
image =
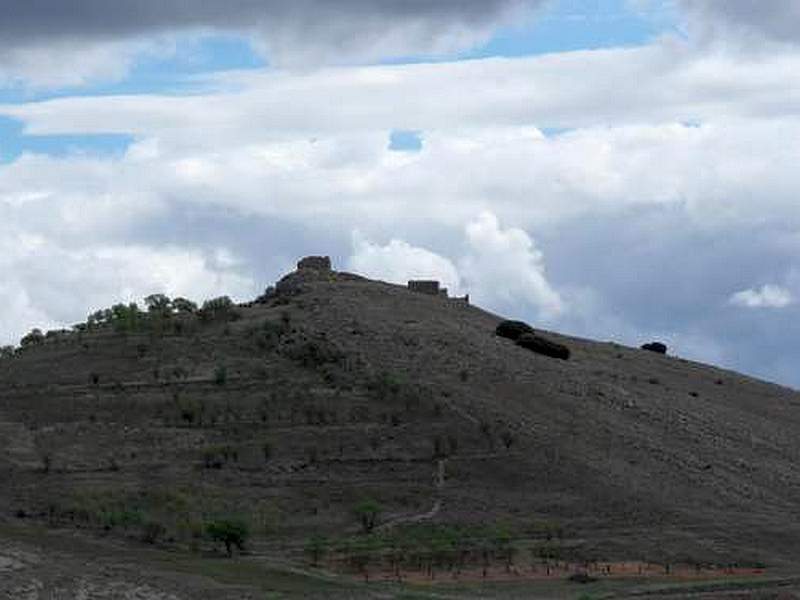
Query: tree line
{"type": "Point", "coordinates": [159, 314]}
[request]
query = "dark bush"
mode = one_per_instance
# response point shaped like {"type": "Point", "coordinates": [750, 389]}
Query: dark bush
{"type": "Point", "coordinates": [656, 347]}
{"type": "Point", "coordinates": [221, 375]}
{"type": "Point", "coordinates": [313, 354]}
{"type": "Point", "coordinates": [582, 578]}
{"type": "Point", "coordinates": [231, 532]}
{"type": "Point", "coordinates": [218, 309]}
{"type": "Point", "coordinates": [152, 531]}
{"type": "Point", "coordinates": [540, 345]}
{"type": "Point", "coordinates": [367, 513]}
{"type": "Point", "coordinates": [512, 329]}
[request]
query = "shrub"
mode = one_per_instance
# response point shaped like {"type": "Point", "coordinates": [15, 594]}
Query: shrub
{"type": "Point", "coordinates": [266, 450]}
{"type": "Point", "coordinates": [656, 347]}
{"type": "Point", "coordinates": [214, 457]}
{"type": "Point", "coordinates": [386, 387]}
{"type": "Point", "coordinates": [539, 345]}
{"type": "Point", "coordinates": [314, 353]}
{"type": "Point", "coordinates": [439, 447]}
{"type": "Point", "coordinates": [582, 578]}
{"type": "Point", "coordinates": [152, 531]}
{"type": "Point", "coordinates": [512, 329]}
{"type": "Point", "coordinates": [367, 513]}
{"type": "Point", "coordinates": [230, 532]}
{"type": "Point", "coordinates": [268, 337]}
{"type": "Point", "coordinates": [217, 309]}
{"type": "Point", "coordinates": [34, 338]}
{"type": "Point", "coordinates": [221, 375]}
{"type": "Point", "coordinates": [316, 548]}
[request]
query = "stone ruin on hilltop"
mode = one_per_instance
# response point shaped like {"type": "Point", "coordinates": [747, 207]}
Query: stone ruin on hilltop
{"type": "Point", "coordinates": [431, 287]}
{"type": "Point", "coordinates": [315, 263]}
{"type": "Point", "coordinates": [320, 268]}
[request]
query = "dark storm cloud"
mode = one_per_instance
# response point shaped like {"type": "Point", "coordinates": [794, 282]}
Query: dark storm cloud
{"type": "Point", "coordinates": [664, 277]}
{"type": "Point", "coordinates": [36, 20]}
{"type": "Point", "coordinates": [777, 20]}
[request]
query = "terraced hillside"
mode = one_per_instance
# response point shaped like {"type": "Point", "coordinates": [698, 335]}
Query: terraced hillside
{"type": "Point", "coordinates": [334, 393]}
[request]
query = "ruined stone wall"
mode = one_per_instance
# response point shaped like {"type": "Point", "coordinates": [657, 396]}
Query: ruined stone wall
{"type": "Point", "coordinates": [425, 287]}
{"type": "Point", "coordinates": [316, 263]}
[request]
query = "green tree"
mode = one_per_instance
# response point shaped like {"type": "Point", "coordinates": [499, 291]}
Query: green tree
{"type": "Point", "coordinates": [34, 338]}
{"type": "Point", "coordinates": [217, 309]}
{"type": "Point", "coordinates": [503, 547]}
{"type": "Point", "coordinates": [99, 318]}
{"type": "Point", "coordinates": [230, 532]}
{"type": "Point", "coordinates": [126, 317]}
{"type": "Point", "coordinates": [158, 304]}
{"type": "Point", "coordinates": [368, 512]}
{"type": "Point", "coordinates": [184, 306]}
{"type": "Point", "coordinates": [316, 548]}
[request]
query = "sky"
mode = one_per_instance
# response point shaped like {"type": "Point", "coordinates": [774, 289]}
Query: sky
{"type": "Point", "coordinates": [624, 170]}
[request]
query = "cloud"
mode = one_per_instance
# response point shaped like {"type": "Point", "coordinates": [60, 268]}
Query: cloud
{"type": "Point", "coordinates": [49, 284]}
{"type": "Point", "coordinates": [40, 35]}
{"type": "Point", "coordinates": [744, 20]}
{"type": "Point", "coordinates": [67, 62]}
{"type": "Point", "coordinates": [506, 269]}
{"type": "Point", "coordinates": [660, 198]}
{"type": "Point", "coordinates": [501, 269]}
{"type": "Point", "coordinates": [398, 262]}
{"type": "Point", "coordinates": [767, 296]}
{"type": "Point", "coordinates": [566, 91]}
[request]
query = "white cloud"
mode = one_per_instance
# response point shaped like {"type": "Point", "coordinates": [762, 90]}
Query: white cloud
{"type": "Point", "coordinates": [505, 268]}
{"type": "Point", "coordinates": [47, 285]}
{"type": "Point", "coordinates": [566, 90]}
{"type": "Point", "coordinates": [501, 269]}
{"type": "Point", "coordinates": [767, 296]}
{"type": "Point", "coordinates": [676, 165]}
{"type": "Point", "coordinates": [61, 63]}
{"type": "Point", "coordinates": [398, 262]}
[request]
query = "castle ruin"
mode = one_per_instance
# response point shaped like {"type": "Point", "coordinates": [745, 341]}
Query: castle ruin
{"type": "Point", "coordinates": [315, 263]}
{"type": "Point", "coordinates": [432, 287]}
{"type": "Point", "coordinates": [429, 287]}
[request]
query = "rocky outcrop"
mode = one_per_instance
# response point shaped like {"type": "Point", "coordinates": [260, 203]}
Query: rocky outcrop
{"type": "Point", "coordinates": [309, 269]}
{"type": "Point", "coordinates": [315, 263]}
{"type": "Point", "coordinates": [512, 329]}
{"type": "Point", "coordinates": [656, 347]}
{"type": "Point", "coordinates": [541, 345]}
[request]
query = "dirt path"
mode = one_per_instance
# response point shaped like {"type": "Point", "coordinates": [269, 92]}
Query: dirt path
{"type": "Point", "coordinates": [439, 481]}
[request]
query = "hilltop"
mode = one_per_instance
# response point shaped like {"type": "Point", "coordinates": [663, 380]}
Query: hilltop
{"type": "Point", "coordinates": [336, 411]}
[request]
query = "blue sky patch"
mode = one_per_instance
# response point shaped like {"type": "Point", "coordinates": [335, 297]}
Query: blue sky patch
{"type": "Point", "coordinates": [13, 143]}
{"type": "Point", "coordinates": [402, 140]}
{"type": "Point", "coordinates": [568, 25]}
{"type": "Point", "coordinates": [177, 71]}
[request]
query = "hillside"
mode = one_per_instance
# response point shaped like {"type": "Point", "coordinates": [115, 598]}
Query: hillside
{"type": "Point", "coordinates": [333, 391]}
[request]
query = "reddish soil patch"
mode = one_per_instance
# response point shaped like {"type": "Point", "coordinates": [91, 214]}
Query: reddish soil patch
{"type": "Point", "coordinates": [614, 570]}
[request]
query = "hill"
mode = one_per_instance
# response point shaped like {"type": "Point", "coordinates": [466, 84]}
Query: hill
{"type": "Point", "coordinates": [361, 427]}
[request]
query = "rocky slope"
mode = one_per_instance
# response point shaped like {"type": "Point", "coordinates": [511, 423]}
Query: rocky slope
{"type": "Point", "coordinates": [333, 389]}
